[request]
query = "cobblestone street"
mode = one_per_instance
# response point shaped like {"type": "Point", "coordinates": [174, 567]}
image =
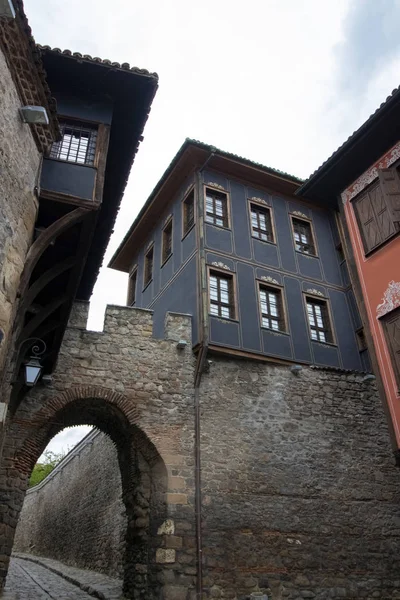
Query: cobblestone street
{"type": "Point", "coordinates": [28, 580]}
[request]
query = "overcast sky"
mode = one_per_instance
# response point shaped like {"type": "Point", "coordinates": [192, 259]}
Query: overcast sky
{"type": "Point", "coordinates": [281, 82]}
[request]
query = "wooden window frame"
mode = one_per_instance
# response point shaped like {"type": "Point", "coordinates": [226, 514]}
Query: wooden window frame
{"type": "Point", "coordinates": [186, 230]}
{"type": "Point", "coordinates": [147, 281]}
{"type": "Point", "coordinates": [233, 292]}
{"type": "Point", "coordinates": [268, 209]}
{"type": "Point", "coordinates": [92, 146]}
{"type": "Point", "coordinates": [164, 256]}
{"type": "Point", "coordinates": [313, 237]}
{"type": "Point", "coordinates": [320, 300]}
{"type": "Point", "coordinates": [377, 183]}
{"type": "Point", "coordinates": [227, 215]}
{"type": "Point", "coordinates": [361, 339]}
{"type": "Point", "coordinates": [132, 277]}
{"type": "Point", "coordinates": [282, 318]}
{"type": "Point", "coordinates": [394, 362]}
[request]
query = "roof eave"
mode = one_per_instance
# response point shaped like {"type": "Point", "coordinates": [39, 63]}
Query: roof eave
{"type": "Point", "coordinates": [372, 122]}
{"type": "Point", "coordinates": [117, 261]}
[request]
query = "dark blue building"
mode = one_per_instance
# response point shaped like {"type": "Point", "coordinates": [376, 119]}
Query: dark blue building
{"type": "Point", "coordinates": [261, 271]}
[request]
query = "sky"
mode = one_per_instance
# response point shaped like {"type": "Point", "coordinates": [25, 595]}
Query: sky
{"type": "Point", "coordinates": [281, 82]}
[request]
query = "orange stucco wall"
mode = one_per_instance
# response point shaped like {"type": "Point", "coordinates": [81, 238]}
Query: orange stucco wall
{"type": "Point", "coordinates": [376, 272]}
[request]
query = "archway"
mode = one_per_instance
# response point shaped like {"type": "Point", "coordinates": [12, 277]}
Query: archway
{"type": "Point", "coordinates": [143, 473]}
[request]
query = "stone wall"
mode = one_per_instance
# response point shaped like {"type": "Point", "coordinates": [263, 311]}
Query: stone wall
{"type": "Point", "coordinates": [301, 498]}
{"type": "Point", "coordinates": [80, 503]}
{"type": "Point", "coordinates": [300, 495]}
{"type": "Point", "coordinates": [139, 391]}
{"type": "Point", "coordinates": [19, 165]}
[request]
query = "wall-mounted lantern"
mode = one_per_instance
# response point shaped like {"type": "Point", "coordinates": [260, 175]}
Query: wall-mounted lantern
{"type": "Point", "coordinates": [32, 367]}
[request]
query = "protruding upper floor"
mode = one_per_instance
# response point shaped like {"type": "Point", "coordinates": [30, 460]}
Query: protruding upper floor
{"type": "Point", "coordinates": [73, 185]}
{"type": "Point", "coordinates": [261, 271]}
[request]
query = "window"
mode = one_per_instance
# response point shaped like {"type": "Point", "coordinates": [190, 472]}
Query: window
{"type": "Point", "coordinates": [361, 341]}
{"type": "Point", "coordinates": [303, 237]}
{"type": "Point", "coordinates": [188, 213]}
{"type": "Point", "coordinates": [391, 326]}
{"type": "Point", "coordinates": [342, 264]}
{"type": "Point", "coordinates": [271, 307]}
{"type": "Point", "coordinates": [340, 253]}
{"type": "Point", "coordinates": [166, 242]}
{"type": "Point", "coordinates": [78, 143]}
{"type": "Point", "coordinates": [261, 223]}
{"type": "Point", "coordinates": [217, 208]}
{"type": "Point", "coordinates": [132, 287]}
{"type": "Point", "coordinates": [378, 210]}
{"type": "Point", "coordinates": [221, 295]}
{"type": "Point", "coordinates": [318, 320]}
{"type": "Point", "coordinates": [148, 267]}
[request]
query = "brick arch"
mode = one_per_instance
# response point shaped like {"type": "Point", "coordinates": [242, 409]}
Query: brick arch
{"type": "Point", "coordinates": [41, 429]}
{"type": "Point", "coordinates": [143, 472]}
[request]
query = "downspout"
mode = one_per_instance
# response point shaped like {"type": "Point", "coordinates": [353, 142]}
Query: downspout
{"type": "Point", "coordinates": [201, 361]}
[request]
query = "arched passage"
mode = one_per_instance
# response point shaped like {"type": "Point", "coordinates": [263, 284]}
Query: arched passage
{"type": "Point", "coordinates": [143, 473]}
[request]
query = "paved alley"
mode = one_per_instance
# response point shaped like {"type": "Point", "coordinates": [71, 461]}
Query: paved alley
{"type": "Point", "coordinates": [28, 580]}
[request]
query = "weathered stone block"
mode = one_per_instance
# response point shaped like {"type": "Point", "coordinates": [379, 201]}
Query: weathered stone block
{"type": "Point", "coordinates": [173, 541]}
{"type": "Point", "coordinates": [175, 592]}
{"type": "Point", "coordinates": [167, 528]}
{"type": "Point", "coordinates": [165, 555]}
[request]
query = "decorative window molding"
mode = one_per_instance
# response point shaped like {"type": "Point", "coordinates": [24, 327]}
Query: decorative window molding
{"type": "Point", "coordinates": [216, 185]}
{"type": "Point", "coordinates": [303, 235]}
{"type": "Point", "coordinates": [371, 174]}
{"type": "Point", "coordinates": [217, 207]}
{"type": "Point", "coordinates": [149, 245]}
{"type": "Point", "coordinates": [261, 222]}
{"type": "Point", "coordinates": [315, 292]}
{"type": "Point", "coordinates": [271, 307]}
{"type": "Point", "coordinates": [270, 280]}
{"type": "Point", "coordinates": [221, 265]}
{"type": "Point", "coordinates": [260, 200]}
{"type": "Point", "coordinates": [390, 300]}
{"type": "Point", "coordinates": [221, 291]}
{"type": "Point", "coordinates": [319, 320]}
{"type": "Point", "coordinates": [298, 213]}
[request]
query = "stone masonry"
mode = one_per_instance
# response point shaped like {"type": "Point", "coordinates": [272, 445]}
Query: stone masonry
{"type": "Point", "coordinates": [81, 504]}
{"type": "Point", "coordinates": [19, 167]}
{"type": "Point", "coordinates": [301, 498]}
{"type": "Point", "coordinates": [139, 391]}
{"type": "Point", "coordinates": [300, 495]}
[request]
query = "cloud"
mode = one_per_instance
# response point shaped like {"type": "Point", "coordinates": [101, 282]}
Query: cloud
{"type": "Point", "coordinates": [64, 441]}
{"type": "Point", "coordinates": [371, 42]}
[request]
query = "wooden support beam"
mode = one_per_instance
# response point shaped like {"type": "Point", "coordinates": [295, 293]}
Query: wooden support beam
{"type": "Point", "coordinates": [44, 240]}
{"type": "Point", "coordinates": [29, 329]}
{"type": "Point", "coordinates": [43, 280]}
{"type": "Point", "coordinates": [87, 231]}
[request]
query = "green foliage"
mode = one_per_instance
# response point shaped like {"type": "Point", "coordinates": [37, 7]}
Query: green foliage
{"type": "Point", "coordinates": [42, 469]}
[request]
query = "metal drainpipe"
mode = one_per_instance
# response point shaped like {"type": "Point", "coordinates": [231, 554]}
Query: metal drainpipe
{"type": "Point", "coordinates": [202, 356]}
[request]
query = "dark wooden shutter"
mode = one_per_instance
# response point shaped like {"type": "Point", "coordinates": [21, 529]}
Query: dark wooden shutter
{"type": "Point", "coordinates": [368, 221]}
{"type": "Point", "coordinates": [390, 185]}
{"type": "Point", "coordinates": [383, 214]}
{"type": "Point", "coordinates": [392, 331]}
